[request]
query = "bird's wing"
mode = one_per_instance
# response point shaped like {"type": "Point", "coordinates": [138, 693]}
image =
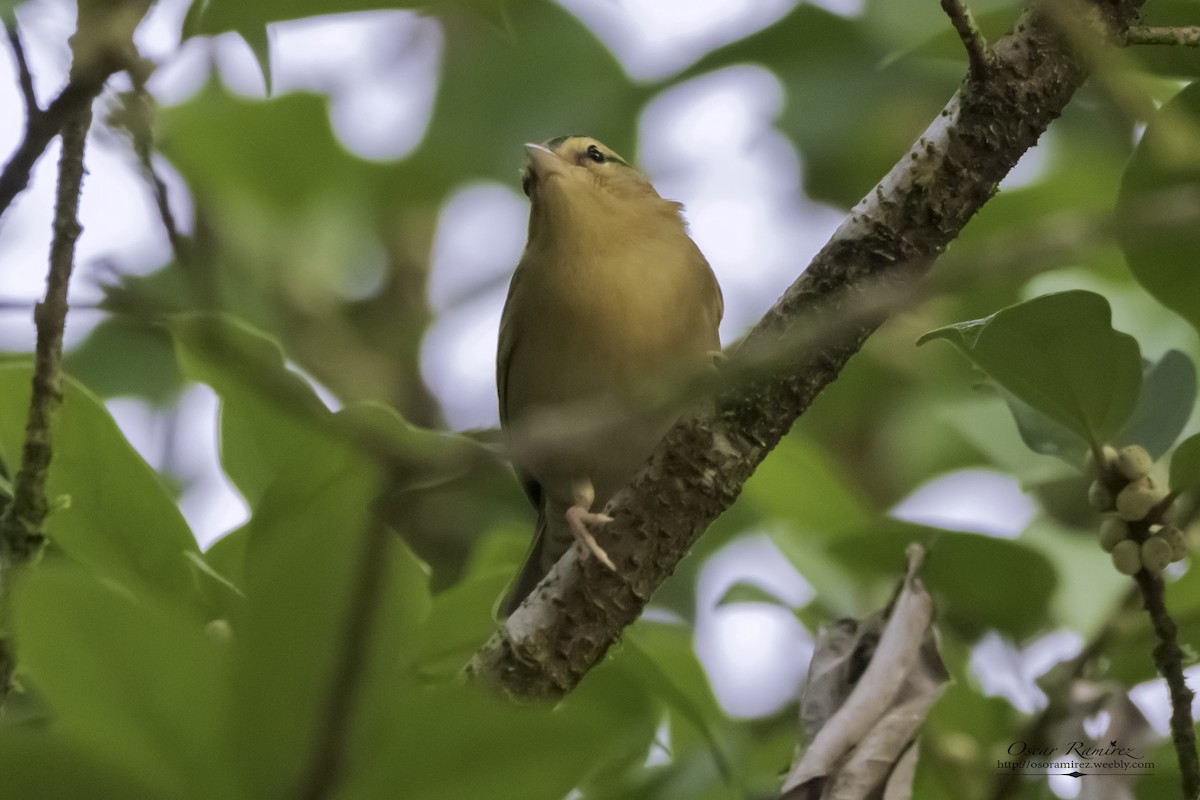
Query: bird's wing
{"type": "Point", "coordinates": [504, 359]}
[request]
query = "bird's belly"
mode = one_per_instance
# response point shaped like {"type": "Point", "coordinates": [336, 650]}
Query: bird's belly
{"type": "Point", "coordinates": [595, 368]}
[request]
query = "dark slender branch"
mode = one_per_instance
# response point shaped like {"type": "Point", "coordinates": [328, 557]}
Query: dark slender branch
{"type": "Point", "coordinates": [330, 750]}
{"type": "Point", "coordinates": [976, 46]}
{"type": "Point", "coordinates": [43, 127]}
{"type": "Point", "coordinates": [1168, 658]}
{"type": "Point", "coordinates": [24, 77]}
{"type": "Point", "coordinates": [893, 235]}
{"type": "Point", "coordinates": [21, 534]}
{"type": "Point", "coordinates": [1188, 36]}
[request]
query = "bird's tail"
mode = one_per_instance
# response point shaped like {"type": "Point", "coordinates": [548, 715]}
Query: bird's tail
{"type": "Point", "coordinates": [531, 573]}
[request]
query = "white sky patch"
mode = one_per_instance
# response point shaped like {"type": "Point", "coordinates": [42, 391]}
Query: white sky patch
{"type": "Point", "coordinates": [210, 503]}
{"type": "Point", "coordinates": [1010, 672]}
{"type": "Point", "coordinates": [711, 144]}
{"type": "Point", "coordinates": [379, 70]}
{"type": "Point", "coordinates": [458, 361]}
{"type": "Point", "coordinates": [978, 500]}
{"type": "Point", "coordinates": [480, 235]}
{"type": "Point", "coordinates": [1154, 702]}
{"type": "Point", "coordinates": [655, 38]}
{"type": "Point", "coordinates": [756, 654]}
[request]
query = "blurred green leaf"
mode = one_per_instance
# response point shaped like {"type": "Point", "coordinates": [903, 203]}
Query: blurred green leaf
{"type": "Point", "coordinates": [311, 546]}
{"type": "Point", "coordinates": [1164, 175]}
{"type": "Point", "coordinates": [1059, 354]}
{"type": "Point", "coordinates": [48, 765]}
{"type": "Point", "coordinates": [1164, 405]}
{"type": "Point", "coordinates": [460, 621]}
{"type": "Point", "coordinates": [742, 592]}
{"type": "Point", "coordinates": [124, 357]}
{"type": "Point", "coordinates": [207, 17]}
{"type": "Point", "coordinates": [124, 676]}
{"type": "Point", "coordinates": [969, 574]}
{"type": "Point", "coordinates": [111, 513]}
{"type": "Point", "coordinates": [1185, 464]}
{"type": "Point", "coordinates": [291, 160]}
{"type": "Point", "coordinates": [663, 658]}
{"type": "Point", "coordinates": [799, 483]}
{"type": "Point", "coordinates": [270, 416]}
{"type": "Point", "coordinates": [453, 741]}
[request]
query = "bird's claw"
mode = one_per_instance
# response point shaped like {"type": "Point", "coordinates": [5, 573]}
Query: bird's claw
{"type": "Point", "coordinates": [578, 520]}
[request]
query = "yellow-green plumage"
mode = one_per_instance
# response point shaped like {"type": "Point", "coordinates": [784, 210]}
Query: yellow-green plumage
{"type": "Point", "coordinates": [610, 295]}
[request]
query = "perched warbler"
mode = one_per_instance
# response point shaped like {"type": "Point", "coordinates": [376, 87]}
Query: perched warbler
{"type": "Point", "coordinates": [610, 294]}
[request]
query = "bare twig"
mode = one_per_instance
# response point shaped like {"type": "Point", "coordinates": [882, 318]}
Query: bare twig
{"type": "Point", "coordinates": [1187, 36]}
{"type": "Point", "coordinates": [1168, 658]}
{"type": "Point", "coordinates": [21, 534]}
{"type": "Point", "coordinates": [24, 77]}
{"type": "Point", "coordinates": [976, 46]}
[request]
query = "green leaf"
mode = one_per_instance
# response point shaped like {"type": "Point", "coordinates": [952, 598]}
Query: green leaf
{"type": "Point", "coordinates": [124, 676]}
{"type": "Point", "coordinates": [1185, 464]}
{"type": "Point", "coordinates": [1043, 435]}
{"type": "Point", "coordinates": [457, 741]}
{"type": "Point", "coordinates": [292, 160]}
{"type": "Point", "coordinates": [48, 765]}
{"type": "Point", "coordinates": [311, 547]}
{"type": "Point", "coordinates": [270, 417]}
{"type": "Point", "coordinates": [112, 513]}
{"type": "Point", "coordinates": [798, 483]}
{"type": "Point", "coordinates": [207, 17]}
{"type": "Point", "coordinates": [742, 592]}
{"type": "Point", "coordinates": [1059, 354]}
{"type": "Point", "coordinates": [1164, 405]}
{"type": "Point", "coordinates": [969, 574]}
{"type": "Point", "coordinates": [127, 357]}
{"type": "Point", "coordinates": [1161, 178]}
{"type": "Point", "coordinates": [663, 657]}
{"type": "Point", "coordinates": [459, 623]}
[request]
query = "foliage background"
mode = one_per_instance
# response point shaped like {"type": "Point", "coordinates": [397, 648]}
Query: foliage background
{"type": "Point", "coordinates": [371, 251]}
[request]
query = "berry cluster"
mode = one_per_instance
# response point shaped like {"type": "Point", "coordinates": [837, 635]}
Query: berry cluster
{"type": "Point", "coordinates": [1137, 533]}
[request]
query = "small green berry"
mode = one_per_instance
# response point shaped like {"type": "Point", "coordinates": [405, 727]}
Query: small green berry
{"type": "Point", "coordinates": [1112, 531]}
{"type": "Point", "coordinates": [1127, 557]}
{"type": "Point", "coordinates": [1136, 499]}
{"type": "Point", "coordinates": [1156, 553]}
{"type": "Point", "coordinates": [1110, 458]}
{"type": "Point", "coordinates": [1099, 497]}
{"type": "Point", "coordinates": [1134, 462]}
{"type": "Point", "coordinates": [1178, 542]}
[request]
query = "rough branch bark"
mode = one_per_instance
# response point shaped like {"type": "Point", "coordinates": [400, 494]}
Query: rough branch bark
{"type": "Point", "coordinates": [891, 237]}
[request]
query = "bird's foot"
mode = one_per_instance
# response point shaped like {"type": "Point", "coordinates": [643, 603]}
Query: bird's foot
{"type": "Point", "coordinates": [578, 520]}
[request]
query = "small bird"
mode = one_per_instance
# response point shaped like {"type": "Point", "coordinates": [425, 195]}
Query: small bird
{"type": "Point", "coordinates": [610, 294]}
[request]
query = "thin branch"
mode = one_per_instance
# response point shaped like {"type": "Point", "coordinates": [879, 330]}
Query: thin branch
{"type": "Point", "coordinates": [1168, 658]}
{"type": "Point", "coordinates": [24, 77]}
{"type": "Point", "coordinates": [21, 534]}
{"type": "Point", "coordinates": [42, 128]}
{"type": "Point", "coordinates": [973, 40]}
{"type": "Point", "coordinates": [892, 236]}
{"type": "Point", "coordinates": [1187, 36]}
{"type": "Point", "coordinates": [330, 749]}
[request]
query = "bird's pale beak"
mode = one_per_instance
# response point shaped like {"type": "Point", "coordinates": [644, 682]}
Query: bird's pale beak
{"type": "Point", "coordinates": [544, 162]}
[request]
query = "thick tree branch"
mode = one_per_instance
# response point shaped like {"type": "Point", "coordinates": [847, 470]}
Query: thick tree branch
{"type": "Point", "coordinates": [892, 235]}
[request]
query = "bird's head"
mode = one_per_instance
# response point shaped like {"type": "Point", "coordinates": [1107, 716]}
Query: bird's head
{"type": "Point", "coordinates": [576, 169]}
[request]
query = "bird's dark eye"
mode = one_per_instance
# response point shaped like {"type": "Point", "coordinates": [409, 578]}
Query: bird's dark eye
{"type": "Point", "coordinates": [527, 182]}
{"type": "Point", "coordinates": [594, 154]}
